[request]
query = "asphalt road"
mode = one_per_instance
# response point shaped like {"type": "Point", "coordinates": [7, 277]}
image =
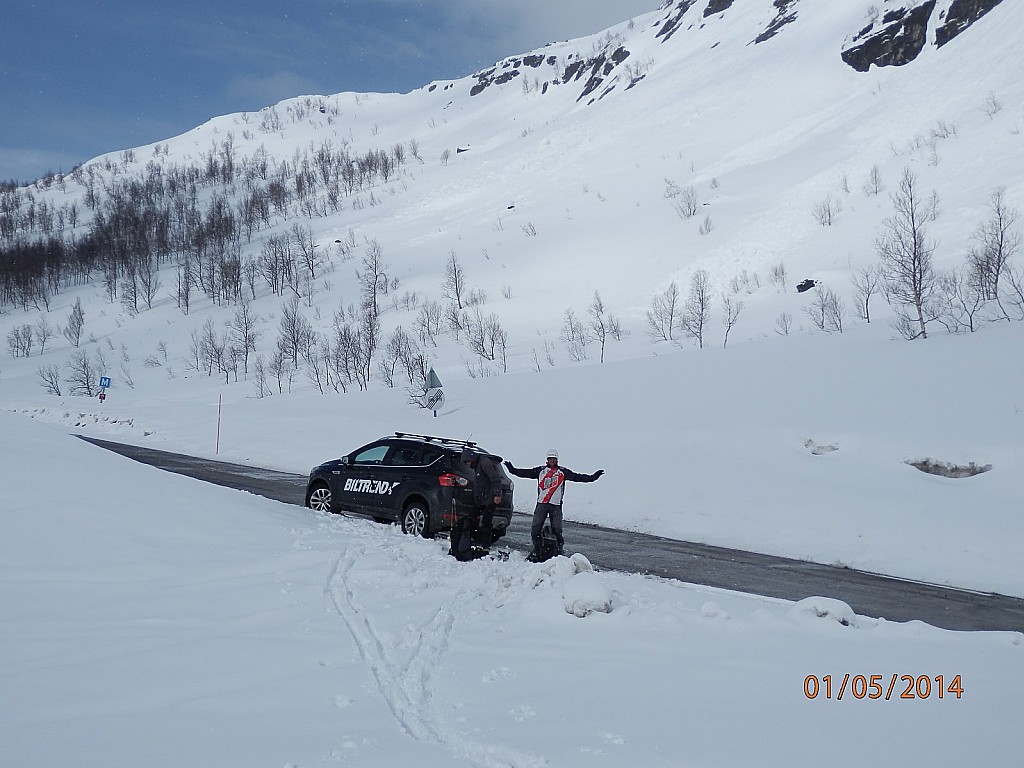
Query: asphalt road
{"type": "Point", "coordinates": [868, 594]}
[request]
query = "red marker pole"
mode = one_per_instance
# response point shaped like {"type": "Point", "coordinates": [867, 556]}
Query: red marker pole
{"type": "Point", "coordinates": [220, 400]}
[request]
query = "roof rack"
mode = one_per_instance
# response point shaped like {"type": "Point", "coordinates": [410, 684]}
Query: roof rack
{"type": "Point", "coordinates": [432, 438]}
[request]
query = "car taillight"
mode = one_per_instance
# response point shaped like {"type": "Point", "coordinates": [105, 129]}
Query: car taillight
{"type": "Point", "coordinates": [450, 480]}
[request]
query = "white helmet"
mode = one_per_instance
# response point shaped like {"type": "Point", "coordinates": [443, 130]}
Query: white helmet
{"type": "Point", "coordinates": [552, 454]}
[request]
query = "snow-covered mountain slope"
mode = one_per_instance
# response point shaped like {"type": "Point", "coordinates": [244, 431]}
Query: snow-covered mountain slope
{"type": "Point", "coordinates": [151, 619]}
{"type": "Point", "coordinates": [568, 171]}
{"type": "Point", "coordinates": [580, 137]}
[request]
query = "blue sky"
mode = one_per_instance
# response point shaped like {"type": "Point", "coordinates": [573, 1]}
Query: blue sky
{"type": "Point", "coordinates": [79, 78]}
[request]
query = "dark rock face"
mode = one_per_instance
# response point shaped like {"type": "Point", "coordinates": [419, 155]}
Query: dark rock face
{"type": "Point", "coordinates": [504, 77]}
{"type": "Point", "coordinates": [483, 79]}
{"type": "Point", "coordinates": [599, 67]}
{"type": "Point", "coordinates": [595, 69]}
{"type": "Point", "coordinates": [899, 39]}
{"type": "Point", "coordinates": [784, 14]}
{"type": "Point", "coordinates": [961, 14]}
{"type": "Point", "coordinates": [892, 39]}
{"type": "Point", "coordinates": [509, 70]}
{"type": "Point", "coordinates": [674, 20]}
{"type": "Point", "coordinates": [716, 6]}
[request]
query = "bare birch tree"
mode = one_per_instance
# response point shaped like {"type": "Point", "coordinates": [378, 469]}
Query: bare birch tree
{"type": "Point", "coordinates": [998, 241]}
{"type": "Point", "coordinates": [76, 321]}
{"type": "Point", "coordinates": [244, 333]}
{"type": "Point", "coordinates": [697, 309]}
{"type": "Point", "coordinates": [730, 314]}
{"type": "Point", "coordinates": [865, 284]}
{"type": "Point", "coordinates": [906, 256]}
{"type": "Point", "coordinates": [602, 324]}
{"type": "Point", "coordinates": [663, 316]}
{"type": "Point", "coordinates": [454, 287]}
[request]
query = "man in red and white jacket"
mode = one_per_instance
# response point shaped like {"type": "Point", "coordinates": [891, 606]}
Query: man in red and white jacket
{"type": "Point", "coordinates": [551, 480]}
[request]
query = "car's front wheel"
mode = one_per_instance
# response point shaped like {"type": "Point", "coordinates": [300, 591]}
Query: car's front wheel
{"type": "Point", "coordinates": [320, 498]}
{"type": "Point", "coordinates": [416, 520]}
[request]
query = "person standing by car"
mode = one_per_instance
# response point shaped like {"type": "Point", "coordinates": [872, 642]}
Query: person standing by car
{"type": "Point", "coordinates": [487, 494]}
{"type": "Point", "coordinates": [475, 527]}
{"type": "Point", "coordinates": [551, 479]}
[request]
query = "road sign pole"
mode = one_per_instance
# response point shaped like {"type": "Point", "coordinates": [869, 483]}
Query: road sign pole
{"type": "Point", "coordinates": [220, 401]}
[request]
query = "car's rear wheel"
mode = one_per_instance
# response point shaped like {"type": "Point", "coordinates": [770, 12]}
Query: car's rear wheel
{"type": "Point", "coordinates": [416, 520]}
{"type": "Point", "coordinates": [320, 498]}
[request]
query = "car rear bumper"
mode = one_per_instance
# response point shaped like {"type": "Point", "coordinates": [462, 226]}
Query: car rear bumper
{"type": "Point", "coordinates": [501, 519]}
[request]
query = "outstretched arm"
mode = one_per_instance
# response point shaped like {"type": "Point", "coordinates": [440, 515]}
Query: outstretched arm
{"type": "Point", "coordinates": [576, 477]}
{"type": "Point", "coordinates": [532, 473]}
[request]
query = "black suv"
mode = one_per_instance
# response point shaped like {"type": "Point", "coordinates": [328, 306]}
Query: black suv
{"type": "Point", "coordinates": [423, 482]}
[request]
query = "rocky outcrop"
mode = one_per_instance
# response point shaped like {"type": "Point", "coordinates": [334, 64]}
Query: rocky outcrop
{"type": "Point", "coordinates": [961, 14]}
{"type": "Point", "coordinates": [593, 71]}
{"type": "Point", "coordinates": [598, 67]}
{"type": "Point", "coordinates": [784, 14]}
{"type": "Point", "coordinates": [674, 20]}
{"type": "Point", "coordinates": [508, 70]}
{"type": "Point", "coordinates": [894, 41]}
{"type": "Point", "coordinates": [716, 6]}
{"type": "Point", "coordinates": [894, 37]}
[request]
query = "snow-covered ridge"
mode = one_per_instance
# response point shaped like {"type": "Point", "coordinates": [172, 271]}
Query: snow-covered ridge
{"type": "Point", "coordinates": [897, 34]}
{"type": "Point", "coordinates": [150, 619]}
{"type": "Point", "coordinates": [893, 37]}
{"type": "Point", "coordinates": [754, 166]}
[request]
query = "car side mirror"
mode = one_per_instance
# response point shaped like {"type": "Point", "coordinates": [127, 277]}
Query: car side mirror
{"type": "Point", "coordinates": [346, 460]}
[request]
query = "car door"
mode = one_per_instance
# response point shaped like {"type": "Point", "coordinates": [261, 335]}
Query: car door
{"type": "Point", "coordinates": [360, 481]}
{"type": "Point", "coordinates": [401, 474]}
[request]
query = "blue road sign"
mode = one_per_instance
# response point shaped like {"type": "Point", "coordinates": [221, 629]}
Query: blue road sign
{"type": "Point", "coordinates": [105, 381]}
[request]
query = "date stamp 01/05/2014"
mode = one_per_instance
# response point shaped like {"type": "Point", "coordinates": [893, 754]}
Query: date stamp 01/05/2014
{"type": "Point", "coordinates": [887, 687]}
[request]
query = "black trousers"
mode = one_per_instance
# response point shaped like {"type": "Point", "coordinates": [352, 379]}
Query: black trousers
{"type": "Point", "coordinates": [485, 526]}
{"type": "Point", "coordinates": [475, 528]}
{"type": "Point", "coordinates": [540, 514]}
{"type": "Point", "coordinates": [462, 537]}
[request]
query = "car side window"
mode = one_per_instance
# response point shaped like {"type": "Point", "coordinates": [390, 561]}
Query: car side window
{"type": "Point", "coordinates": [430, 455]}
{"type": "Point", "coordinates": [373, 455]}
{"type": "Point", "coordinates": [404, 456]}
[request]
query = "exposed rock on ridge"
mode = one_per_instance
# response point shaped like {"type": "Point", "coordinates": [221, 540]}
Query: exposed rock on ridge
{"type": "Point", "coordinates": [961, 14]}
{"type": "Point", "coordinates": [902, 34]}
{"type": "Point", "coordinates": [716, 6]}
{"type": "Point", "coordinates": [898, 40]}
{"type": "Point", "coordinates": [893, 38]}
{"type": "Point", "coordinates": [784, 15]}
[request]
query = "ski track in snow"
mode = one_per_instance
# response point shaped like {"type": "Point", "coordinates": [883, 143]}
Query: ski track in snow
{"type": "Point", "coordinates": [408, 687]}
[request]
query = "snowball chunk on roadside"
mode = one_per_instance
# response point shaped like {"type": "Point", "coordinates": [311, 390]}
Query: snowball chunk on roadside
{"type": "Point", "coordinates": [824, 608]}
{"type": "Point", "coordinates": [584, 594]}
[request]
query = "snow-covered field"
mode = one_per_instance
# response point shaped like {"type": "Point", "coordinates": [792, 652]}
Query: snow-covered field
{"type": "Point", "coordinates": [794, 446]}
{"type": "Point", "coordinates": [147, 619]}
